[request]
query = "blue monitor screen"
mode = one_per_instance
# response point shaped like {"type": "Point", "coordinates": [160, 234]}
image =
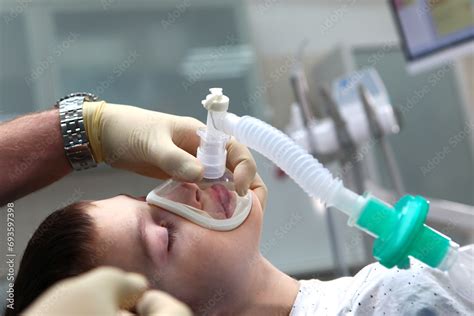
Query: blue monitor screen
{"type": "Point", "coordinates": [429, 26]}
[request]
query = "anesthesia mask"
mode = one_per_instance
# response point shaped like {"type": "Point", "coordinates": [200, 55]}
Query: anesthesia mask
{"type": "Point", "coordinates": [213, 204]}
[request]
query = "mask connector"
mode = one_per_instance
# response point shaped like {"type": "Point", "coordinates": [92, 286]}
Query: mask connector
{"type": "Point", "coordinates": [212, 149]}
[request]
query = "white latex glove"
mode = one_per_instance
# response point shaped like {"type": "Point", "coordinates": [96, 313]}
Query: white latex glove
{"type": "Point", "coordinates": [102, 292]}
{"type": "Point", "coordinates": [157, 303]}
{"type": "Point", "coordinates": [156, 144]}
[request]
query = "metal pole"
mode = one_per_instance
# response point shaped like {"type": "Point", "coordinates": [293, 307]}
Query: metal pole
{"type": "Point", "coordinates": [349, 150]}
{"type": "Point", "coordinates": [377, 132]}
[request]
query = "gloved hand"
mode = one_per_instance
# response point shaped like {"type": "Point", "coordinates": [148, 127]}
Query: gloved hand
{"type": "Point", "coordinates": [157, 303]}
{"type": "Point", "coordinates": [102, 292]}
{"type": "Point", "coordinates": [260, 190]}
{"type": "Point", "coordinates": [156, 144]}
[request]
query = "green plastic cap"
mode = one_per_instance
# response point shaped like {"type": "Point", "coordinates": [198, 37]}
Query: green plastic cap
{"type": "Point", "coordinates": [400, 231]}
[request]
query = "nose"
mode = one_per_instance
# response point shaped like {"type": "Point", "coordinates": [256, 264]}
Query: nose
{"type": "Point", "coordinates": [193, 194]}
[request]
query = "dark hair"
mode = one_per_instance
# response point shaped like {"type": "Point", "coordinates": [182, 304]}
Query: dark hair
{"type": "Point", "coordinates": [61, 247]}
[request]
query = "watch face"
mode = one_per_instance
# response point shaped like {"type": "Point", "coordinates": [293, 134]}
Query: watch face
{"type": "Point", "coordinates": [89, 97]}
{"type": "Point", "coordinates": [72, 103]}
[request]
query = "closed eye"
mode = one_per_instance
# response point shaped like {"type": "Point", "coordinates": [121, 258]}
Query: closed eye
{"type": "Point", "coordinates": [171, 228]}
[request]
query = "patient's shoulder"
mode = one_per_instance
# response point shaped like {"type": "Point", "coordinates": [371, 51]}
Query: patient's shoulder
{"type": "Point", "coordinates": [376, 290]}
{"type": "Point", "coordinates": [316, 297]}
{"type": "Point", "coordinates": [420, 289]}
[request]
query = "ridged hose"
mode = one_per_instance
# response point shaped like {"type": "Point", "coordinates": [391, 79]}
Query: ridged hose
{"type": "Point", "coordinates": [303, 168]}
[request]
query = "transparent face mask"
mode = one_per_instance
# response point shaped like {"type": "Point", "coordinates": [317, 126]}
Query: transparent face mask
{"type": "Point", "coordinates": [213, 204]}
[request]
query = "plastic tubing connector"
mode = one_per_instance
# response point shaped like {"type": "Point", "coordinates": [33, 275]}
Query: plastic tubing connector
{"type": "Point", "coordinates": [303, 168]}
{"type": "Point", "coordinates": [400, 232]}
{"type": "Point", "coordinates": [212, 149]}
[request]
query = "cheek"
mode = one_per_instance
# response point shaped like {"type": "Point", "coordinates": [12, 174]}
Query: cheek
{"type": "Point", "coordinates": [250, 231]}
{"type": "Point", "coordinates": [253, 223]}
{"type": "Point", "coordinates": [197, 245]}
{"type": "Point", "coordinates": [197, 260]}
{"type": "Point", "coordinates": [203, 257]}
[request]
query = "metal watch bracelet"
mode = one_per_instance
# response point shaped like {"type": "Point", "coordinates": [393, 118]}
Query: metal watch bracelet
{"type": "Point", "coordinates": [76, 142]}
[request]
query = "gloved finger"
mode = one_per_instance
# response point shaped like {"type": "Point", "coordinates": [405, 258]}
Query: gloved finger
{"type": "Point", "coordinates": [241, 162]}
{"type": "Point", "coordinates": [125, 288]}
{"type": "Point", "coordinates": [260, 190]}
{"type": "Point", "coordinates": [143, 169]}
{"type": "Point", "coordinates": [156, 303]}
{"type": "Point", "coordinates": [176, 162]}
{"type": "Point", "coordinates": [184, 133]}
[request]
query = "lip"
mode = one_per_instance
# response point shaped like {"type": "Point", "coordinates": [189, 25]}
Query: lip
{"type": "Point", "coordinates": [225, 199]}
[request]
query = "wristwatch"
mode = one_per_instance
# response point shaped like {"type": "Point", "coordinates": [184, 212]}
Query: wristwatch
{"type": "Point", "coordinates": [76, 143]}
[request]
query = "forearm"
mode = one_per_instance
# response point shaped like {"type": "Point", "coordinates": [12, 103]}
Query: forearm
{"type": "Point", "coordinates": [31, 154]}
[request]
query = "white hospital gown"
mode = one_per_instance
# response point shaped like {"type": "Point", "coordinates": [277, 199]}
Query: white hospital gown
{"type": "Point", "coordinates": [376, 290]}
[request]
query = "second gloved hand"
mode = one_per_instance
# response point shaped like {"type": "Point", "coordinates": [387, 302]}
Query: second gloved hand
{"type": "Point", "coordinates": [156, 144]}
{"type": "Point", "coordinates": [102, 292]}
